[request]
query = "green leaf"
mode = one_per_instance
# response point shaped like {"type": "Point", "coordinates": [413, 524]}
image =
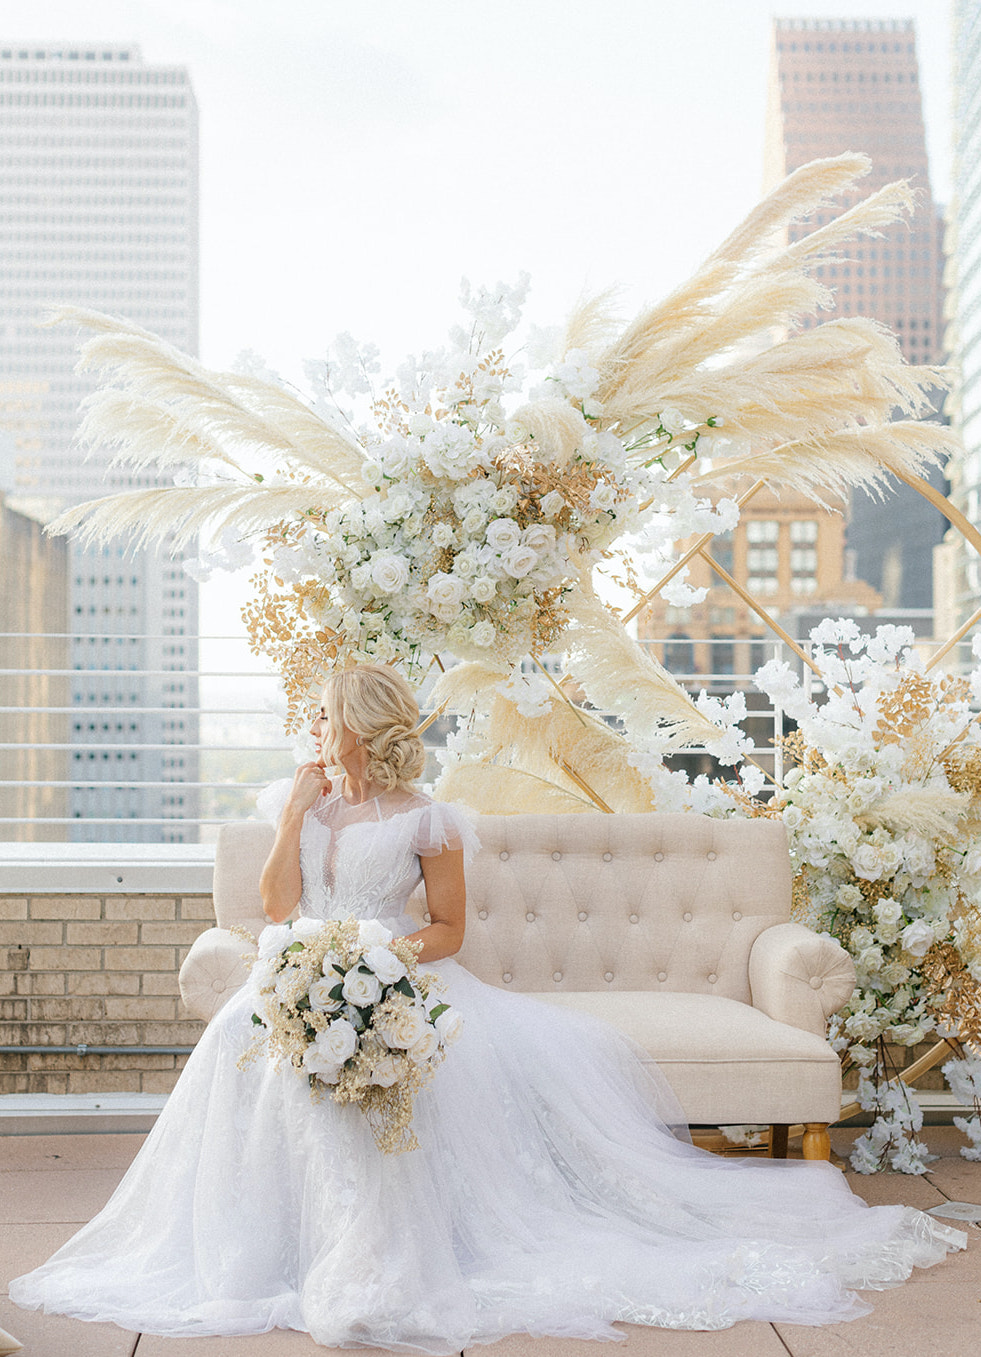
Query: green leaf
{"type": "Point", "coordinates": [295, 947]}
{"type": "Point", "coordinates": [257, 1021]}
{"type": "Point", "coordinates": [339, 969]}
{"type": "Point", "coordinates": [404, 987]}
{"type": "Point", "coordinates": [337, 992]}
{"type": "Point", "coordinates": [435, 1012]}
{"type": "Point", "coordinates": [303, 1004]}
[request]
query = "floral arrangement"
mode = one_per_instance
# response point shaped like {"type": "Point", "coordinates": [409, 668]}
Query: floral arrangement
{"type": "Point", "coordinates": [477, 523]}
{"type": "Point", "coordinates": [345, 1004]}
{"type": "Point", "coordinates": [883, 811]}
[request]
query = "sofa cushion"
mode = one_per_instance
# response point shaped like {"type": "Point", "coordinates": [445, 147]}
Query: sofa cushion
{"type": "Point", "coordinates": [668, 902]}
{"type": "Point", "coordinates": [727, 1062]}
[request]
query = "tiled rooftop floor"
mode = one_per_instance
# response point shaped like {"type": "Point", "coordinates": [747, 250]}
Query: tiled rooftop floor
{"type": "Point", "coordinates": [51, 1184]}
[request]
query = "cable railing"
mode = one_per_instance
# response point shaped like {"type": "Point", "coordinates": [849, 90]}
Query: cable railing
{"type": "Point", "coordinates": [79, 770]}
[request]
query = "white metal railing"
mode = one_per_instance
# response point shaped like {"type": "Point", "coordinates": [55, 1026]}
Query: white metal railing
{"type": "Point", "coordinates": [232, 743]}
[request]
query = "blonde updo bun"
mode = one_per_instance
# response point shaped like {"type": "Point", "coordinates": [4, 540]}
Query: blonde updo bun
{"type": "Point", "coordinates": [377, 704]}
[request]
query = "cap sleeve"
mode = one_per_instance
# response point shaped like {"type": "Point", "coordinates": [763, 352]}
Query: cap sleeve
{"type": "Point", "coordinates": [271, 800]}
{"type": "Point", "coordinates": [440, 825]}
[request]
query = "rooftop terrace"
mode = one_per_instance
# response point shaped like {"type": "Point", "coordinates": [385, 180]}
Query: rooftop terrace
{"type": "Point", "coordinates": [50, 1184]}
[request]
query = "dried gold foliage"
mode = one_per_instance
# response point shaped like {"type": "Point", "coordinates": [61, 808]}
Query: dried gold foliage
{"type": "Point", "coordinates": [954, 995]}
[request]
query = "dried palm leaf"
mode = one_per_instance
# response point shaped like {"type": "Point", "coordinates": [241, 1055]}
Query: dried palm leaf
{"type": "Point", "coordinates": [857, 456]}
{"type": "Point", "coordinates": [180, 514]}
{"type": "Point", "coordinates": [495, 789]}
{"type": "Point", "coordinates": [209, 414]}
{"type": "Point", "coordinates": [621, 677]}
{"type": "Point", "coordinates": [931, 812]}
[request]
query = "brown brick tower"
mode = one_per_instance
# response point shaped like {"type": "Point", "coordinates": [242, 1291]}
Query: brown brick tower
{"type": "Point", "coordinates": [853, 85]}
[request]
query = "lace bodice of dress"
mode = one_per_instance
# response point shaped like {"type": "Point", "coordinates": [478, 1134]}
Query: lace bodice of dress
{"type": "Point", "coordinates": [364, 860]}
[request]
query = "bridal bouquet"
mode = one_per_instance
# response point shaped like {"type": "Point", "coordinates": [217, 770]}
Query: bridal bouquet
{"type": "Point", "coordinates": [345, 1004]}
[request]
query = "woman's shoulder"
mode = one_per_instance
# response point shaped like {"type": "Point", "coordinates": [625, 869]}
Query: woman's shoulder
{"type": "Point", "coordinates": [435, 826]}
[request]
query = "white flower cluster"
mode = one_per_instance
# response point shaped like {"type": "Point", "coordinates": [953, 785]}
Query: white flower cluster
{"type": "Point", "coordinates": [874, 829]}
{"type": "Point", "coordinates": [478, 520]}
{"type": "Point", "coordinates": [346, 1005]}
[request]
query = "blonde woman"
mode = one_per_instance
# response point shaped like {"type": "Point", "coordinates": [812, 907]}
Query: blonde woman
{"type": "Point", "coordinates": [549, 1194]}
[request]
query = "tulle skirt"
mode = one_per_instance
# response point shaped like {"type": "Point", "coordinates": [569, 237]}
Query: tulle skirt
{"type": "Point", "coordinates": [551, 1194]}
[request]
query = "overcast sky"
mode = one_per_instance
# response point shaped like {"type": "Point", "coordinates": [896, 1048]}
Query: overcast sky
{"type": "Point", "coordinates": [358, 158]}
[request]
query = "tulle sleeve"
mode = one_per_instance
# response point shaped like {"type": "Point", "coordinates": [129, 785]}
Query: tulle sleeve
{"type": "Point", "coordinates": [440, 825]}
{"type": "Point", "coordinates": [271, 800]}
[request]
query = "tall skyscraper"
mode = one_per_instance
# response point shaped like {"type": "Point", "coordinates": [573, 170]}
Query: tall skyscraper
{"type": "Point", "coordinates": [99, 208]}
{"type": "Point", "coordinates": [841, 85]}
{"type": "Point", "coordinates": [962, 572]}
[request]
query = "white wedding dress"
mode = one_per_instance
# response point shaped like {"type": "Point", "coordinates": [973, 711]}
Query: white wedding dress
{"type": "Point", "coordinates": [547, 1196]}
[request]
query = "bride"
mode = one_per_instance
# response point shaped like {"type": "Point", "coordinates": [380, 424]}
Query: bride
{"type": "Point", "coordinates": [548, 1194]}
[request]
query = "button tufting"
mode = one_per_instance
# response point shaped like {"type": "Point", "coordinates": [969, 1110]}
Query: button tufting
{"type": "Point", "coordinates": [530, 917]}
{"type": "Point", "coordinates": [556, 976]}
{"type": "Point", "coordinates": [711, 855]}
{"type": "Point", "coordinates": [662, 975]}
{"type": "Point", "coordinates": [607, 857]}
{"type": "Point", "coordinates": [687, 916]}
{"type": "Point", "coordinates": [506, 977]}
{"type": "Point", "coordinates": [815, 982]}
{"type": "Point", "coordinates": [633, 918]}
{"type": "Point", "coordinates": [712, 978]}
{"type": "Point", "coordinates": [556, 857]}
{"type": "Point", "coordinates": [608, 976]}
{"type": "Point", "coordinates": [481, 914]}
{"type": "Point", "coordinates": [218, 986]}
{"type": "Point", "coordinates": [504, 856]}
{"type": "Point", "coordinates": [658, 857]}
{"type": "Point", "coordinates": [736, 915]}
{"type": "Point", "coordinates": [583, 916]}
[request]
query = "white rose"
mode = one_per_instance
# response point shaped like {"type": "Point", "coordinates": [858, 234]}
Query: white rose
{"type": "Point", "coordinates": [340, 1040]}
{"type": "Point", "coordinates": [385, 964]}
{"type": "Point", "coordinates": [848, 897]}
{"type": "Point", "coordinates": [403, 1028]}
{"type": "Point", "coordinates": [361, 988]}
{"type": "Point", "coordinates": [672, 420]}
{"type": "Point", "coordinates": [539, 536]}
{"type": "Point", "coordinates": [273, 940]}
{"type": "Point", "coordinates": [320, 995]}
{"type": "Point", "coordinates": [860, 938]}
{"type": "Point", "coordinates": [869, 960]}
{"type": "Point", "coordinates": [425, 1048]}
{"type": "Point", "coordinates": [388, 1069]}
{"type": "Point", "coordinates": [866, 863]}
{"type": "Point", "coordinates": [449, 1025]}
{"type": "Point", "coordinates": [389, 572]}
{"type": "Point", "coordinates": [322, 1064]}
{"type": "Point", "coordinates": [552, 504]}
{"type": "Point", "coordinates": [473, 522]}
{"type": "Point", "coordinates": [466, 564]}
{"type": "Point", "coordinates": [792, 816]}
{"type": "Point", "coordinates": [483, 589]}
{"type": "Point", "coordinates": [445, 591]}
{"type": "Point", "coordinates": [604, 496]}
{"type": "Point", "coordinates": [503, 534]}
{"type": "Point", "coordinates": [443, 535]}
{"type": "Point", "coordinates": [503, 501]}
{"type": "Point", "coordinates": [304, 929]}
{"type": "Point", "coordinates": [917, 938]}
{"type": "Point", "coordinates": [861, 1027]}
{"type": "Point", "coordinates": [519, 560]}
{"type": "Point", "coordinates": [888, 911]}
{"type": "Point", "coordinates": [482, 634]}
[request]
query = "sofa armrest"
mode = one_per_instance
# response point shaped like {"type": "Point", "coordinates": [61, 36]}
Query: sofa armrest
{"type": "Point", "coordinates": [213, 970]}
{"type": "Point", "coordinates": [799, 977]}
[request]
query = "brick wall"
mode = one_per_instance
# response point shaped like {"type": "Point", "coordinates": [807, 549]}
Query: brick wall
{"type": "Point", "coordinates": [100, 970]}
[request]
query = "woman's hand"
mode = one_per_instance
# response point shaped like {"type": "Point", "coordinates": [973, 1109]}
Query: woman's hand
{"type": "Point", "coordinates": [310, 782]}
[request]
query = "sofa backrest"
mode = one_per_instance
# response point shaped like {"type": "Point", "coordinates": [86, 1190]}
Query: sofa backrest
{"type": "Point", "coordinates": [660, 901]}
{"type": "Point", "coordinates": [590, 902]}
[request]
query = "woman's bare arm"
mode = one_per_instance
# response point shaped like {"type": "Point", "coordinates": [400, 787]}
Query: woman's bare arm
{"type": "Point", "coordinates": [280, 883]}
{"type": "Point", "coordinates": [446, 902]}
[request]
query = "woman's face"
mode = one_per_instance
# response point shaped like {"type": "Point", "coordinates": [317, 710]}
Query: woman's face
{"type": "Point", "coordinates": [332, 745]}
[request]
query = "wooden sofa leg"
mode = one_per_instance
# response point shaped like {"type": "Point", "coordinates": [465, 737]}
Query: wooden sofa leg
{"type": "Point", "coordinates": [778, 1141]}
{"type": "Point", "coordinates": [817, 1142]}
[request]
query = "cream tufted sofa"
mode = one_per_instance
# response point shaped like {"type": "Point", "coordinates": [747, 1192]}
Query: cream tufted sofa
{"type": "Point", "coordinates": [675, 928]}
